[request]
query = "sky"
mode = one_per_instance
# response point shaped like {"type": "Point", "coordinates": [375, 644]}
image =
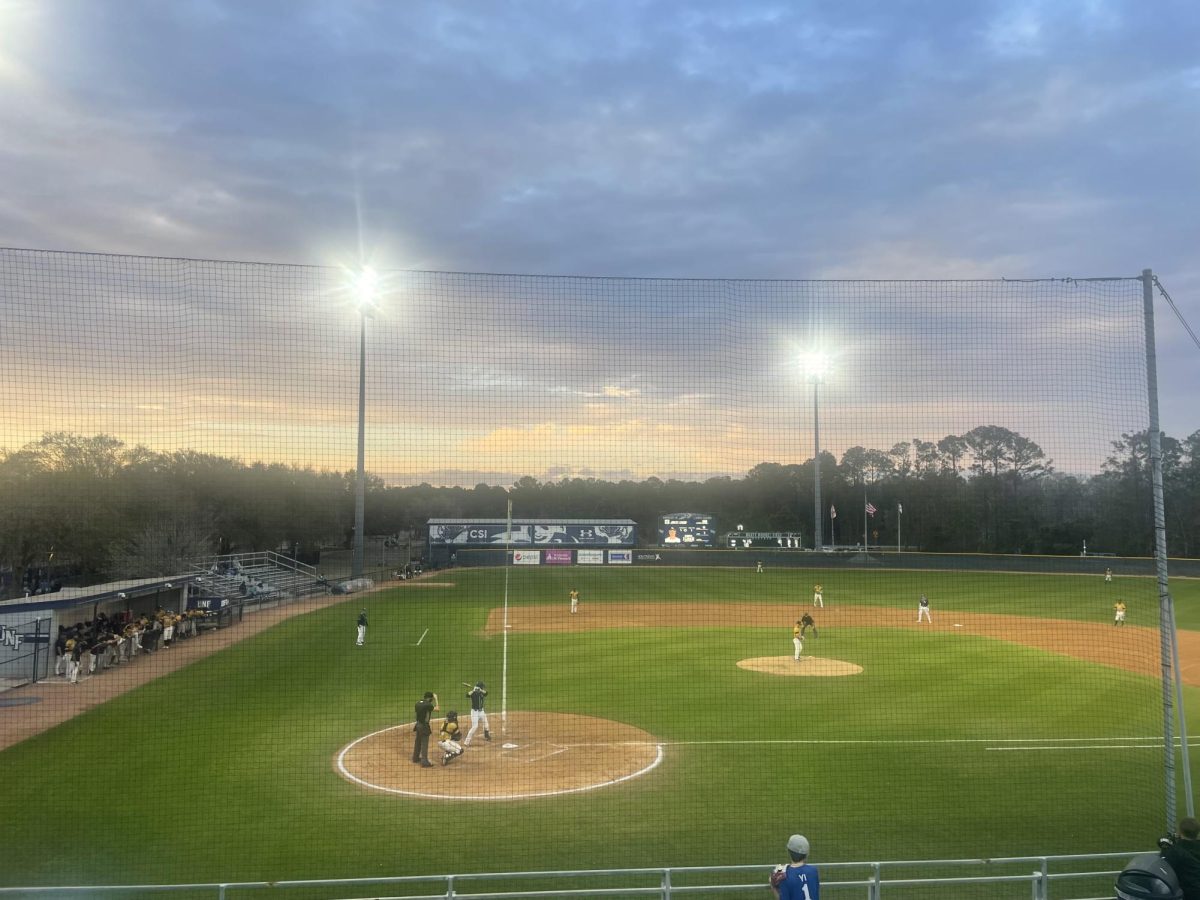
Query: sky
{"type": "Point", "coordinates": [636, 140]}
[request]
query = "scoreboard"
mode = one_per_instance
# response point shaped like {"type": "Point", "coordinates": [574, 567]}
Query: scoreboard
{"type": "Point", "coordinates": [687, 530]}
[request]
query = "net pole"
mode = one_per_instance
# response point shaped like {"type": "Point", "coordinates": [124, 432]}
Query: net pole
{"type": "Point", "coordinates": [1189, 807]}
{"type": "Point", "coordinates": [504, 655]}
{"type": "Point", "coordinates": [1166, 611]}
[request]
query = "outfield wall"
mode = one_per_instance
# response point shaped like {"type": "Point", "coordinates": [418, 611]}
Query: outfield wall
{"type": "Point", "coordinates": [885, 559]}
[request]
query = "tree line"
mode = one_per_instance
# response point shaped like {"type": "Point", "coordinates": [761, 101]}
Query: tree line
{"type": "Point", "coordinates": [92, 505]}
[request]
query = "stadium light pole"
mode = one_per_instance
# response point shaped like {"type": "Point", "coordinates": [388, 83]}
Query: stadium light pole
{"type": "Point", "coordinates": [365, 288]}
{"type": "Point", "coordinates": [816, 364]}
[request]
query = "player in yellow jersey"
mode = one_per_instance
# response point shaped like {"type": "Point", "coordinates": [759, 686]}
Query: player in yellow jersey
{"type": "Point", "coordinates": [574, 601]}
{"type": "Point", "coordinates": [797, 644]}
{"type": "Point", "coordinates": [448, 738]}
{"type": "Point", "coordinates": [1119, 612]}
{"type": "Point", "coordinates": [818, 596]}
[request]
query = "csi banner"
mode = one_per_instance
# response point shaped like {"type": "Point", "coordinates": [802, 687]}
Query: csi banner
{"type": "Point", "coordinates": [527, 557]}
{"type": "Point", "coordinates": [556, 557]}
{"type": "Point", "coordinates": [590, 557]}
{"type": "Point", "coordinates": [467, 533]}
{"type": "Point", "coordinates": [620, 557]}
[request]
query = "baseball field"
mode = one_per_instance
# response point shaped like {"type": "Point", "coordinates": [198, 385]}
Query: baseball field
{"type": "Point", "coordinates": [667, 723]}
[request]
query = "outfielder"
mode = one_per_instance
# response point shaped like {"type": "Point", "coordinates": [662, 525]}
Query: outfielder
{"type": "Point", "coordinates": [923, 610]}
{"type": "Point", "coordinates": [477, 695]}
{"type": "Point", "coordinates": [1108, 575]}
{"type": "Point", "coordinates": [797, 631]}
{"type": "Point", "coordinates": [448, 738]}
{"type": "Point", "coordinates": [362, 628]}
{"type": "Point", "coordinates": [818, 597]}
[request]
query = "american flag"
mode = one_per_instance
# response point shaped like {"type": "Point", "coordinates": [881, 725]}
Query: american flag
{"type": "Point", "coordinates": [832, 511]}
{"type": "Point", "coordinates": [870, 508]}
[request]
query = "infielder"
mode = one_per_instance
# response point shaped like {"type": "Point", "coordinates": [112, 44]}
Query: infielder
{"type": "Point", "coordinates": [574, 601]}
{"type": "Point", "coordinates": [362, 628]}
{"type": "Point", "coordinates": [1119, 612]}
{"type": "Point", "coordinates": [797, 631]}
{"type": "Point", "coordinates": [477, 695]}
{"type": "Point", "coordinates": [923, 610]}
{"type": "Point", "coordinates": [448, 738]}
{"type": "Point", "coordinates": [818, 597]}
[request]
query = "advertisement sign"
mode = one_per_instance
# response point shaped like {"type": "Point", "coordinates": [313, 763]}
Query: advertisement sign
{"type": "Point", "coordinates": [535, 535]}
{"type": "Point", "coordinates": [481, 533]}
{"type": "Point", "coordinates": [620, 557]}
{"type": "Point", "coordinates": [649, 557]}
{"type": "Point", "coordinates": [527, 557]}
{"type": "Point", "coordinates": [687, 530]}
{"type": "Point", "coordinates": [556, 557]}
{"type": "Point", "coordinates": [589, 557]}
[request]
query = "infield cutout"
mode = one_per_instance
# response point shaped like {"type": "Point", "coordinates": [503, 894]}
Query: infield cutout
{"type": "Point", "coordinates": [537, 755]}
{"type": "Point", "coordinates": [812, 666]}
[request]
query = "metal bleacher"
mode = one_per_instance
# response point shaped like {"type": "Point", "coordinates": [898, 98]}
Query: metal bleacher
{"type": "Point", "coordinates": [260, 577]}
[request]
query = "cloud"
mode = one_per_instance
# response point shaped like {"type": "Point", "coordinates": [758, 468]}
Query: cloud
{"type": "Point", "coordinates": [704, 140]}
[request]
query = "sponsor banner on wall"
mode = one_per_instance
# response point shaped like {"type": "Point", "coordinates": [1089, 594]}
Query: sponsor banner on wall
{"type": "Point", "coordinates": [556, 557]}
{"type": "Point", "coordinates": [481, 533]}
{"type": "Point", "coordinates": [620, 557]}
{"type": "Point", "coordinates": [648, 557]}
{"type": "Point", "coordinates": [527, 557]}
{"type": "Point", "coordinates": [590, 557]}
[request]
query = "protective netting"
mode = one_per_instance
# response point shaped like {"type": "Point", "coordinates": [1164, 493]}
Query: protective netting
{"type": "Point", "coordinates": [180, 444]}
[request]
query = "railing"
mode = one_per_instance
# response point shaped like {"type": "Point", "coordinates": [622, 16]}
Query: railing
{"type": "Point", "coordinates": [1045, 878]}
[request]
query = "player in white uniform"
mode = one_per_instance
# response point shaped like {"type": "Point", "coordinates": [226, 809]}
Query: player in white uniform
{"type": "Point", "coordinates": [477, 695]}
{"type": "Point", "coordinates": [818, 596]}
{"type": "Point", "coordinates": [797, 644]}
{"type": "Point", "coordinates": [923, 610]}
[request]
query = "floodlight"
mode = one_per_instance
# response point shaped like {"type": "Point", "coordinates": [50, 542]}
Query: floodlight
{"type": "Point", "coordinates": [366, 288]}
{"type": "Point", "coordinates": [815, 364]}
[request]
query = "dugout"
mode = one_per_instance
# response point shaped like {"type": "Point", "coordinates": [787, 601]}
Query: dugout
{"type": "Point", "coordinates": [29, 627]}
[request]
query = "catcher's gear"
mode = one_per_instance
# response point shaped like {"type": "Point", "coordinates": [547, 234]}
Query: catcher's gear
{"type": "Point", "coordinates": [777, 875]}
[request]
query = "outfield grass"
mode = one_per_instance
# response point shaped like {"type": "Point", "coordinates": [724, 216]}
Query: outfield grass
{"type": "Point", "coordinates": [223, 770]}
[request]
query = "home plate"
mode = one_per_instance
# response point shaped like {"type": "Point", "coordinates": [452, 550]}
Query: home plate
{"type": "Point", "coordinates": [509, 746]}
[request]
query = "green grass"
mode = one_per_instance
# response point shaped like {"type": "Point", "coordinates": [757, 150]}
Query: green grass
{"type": "Point", "coordinates": [223, 770]}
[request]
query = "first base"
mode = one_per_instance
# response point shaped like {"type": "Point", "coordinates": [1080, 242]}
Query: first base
{"type": "Point", "coordinates": [508, 745]}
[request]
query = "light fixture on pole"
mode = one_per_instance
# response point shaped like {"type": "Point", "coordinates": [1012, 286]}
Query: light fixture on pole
{"type": "Point", "coordinates": [366, 286]}
{"type": "Point", "coordinates": [816, 364]}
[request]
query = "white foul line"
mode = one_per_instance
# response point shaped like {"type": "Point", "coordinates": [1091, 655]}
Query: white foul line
{"type": "Point", "coordinates": [422, 637]}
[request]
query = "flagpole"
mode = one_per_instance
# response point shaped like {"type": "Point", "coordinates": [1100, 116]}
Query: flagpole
{"type": "Point", "coordinates": [899, 517]}
{"type": "Point", "coordinates": [865, 545]}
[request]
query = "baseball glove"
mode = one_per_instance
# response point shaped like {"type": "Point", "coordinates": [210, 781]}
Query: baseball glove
{"type": "Point", "coordinates": [777, 875]}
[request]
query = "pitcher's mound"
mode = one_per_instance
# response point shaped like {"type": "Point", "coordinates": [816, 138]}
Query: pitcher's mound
{"type": "Point", "coordinates": [535, 755]}
{"type": "Point", "coordinates": [805, 665]}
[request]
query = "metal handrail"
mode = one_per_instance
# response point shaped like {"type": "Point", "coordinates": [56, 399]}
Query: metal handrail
{"type": "Point", "coordinates": [452, 885]}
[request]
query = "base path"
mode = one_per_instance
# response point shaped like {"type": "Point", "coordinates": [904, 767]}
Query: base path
{"type": "Point", "coordinates": [1129, 647]}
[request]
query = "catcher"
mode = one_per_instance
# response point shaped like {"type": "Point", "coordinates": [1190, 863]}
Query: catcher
{"type": "Point", "coordinates": [448, 738]}
{"type": "Point", "coordinates": [797, 880]}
